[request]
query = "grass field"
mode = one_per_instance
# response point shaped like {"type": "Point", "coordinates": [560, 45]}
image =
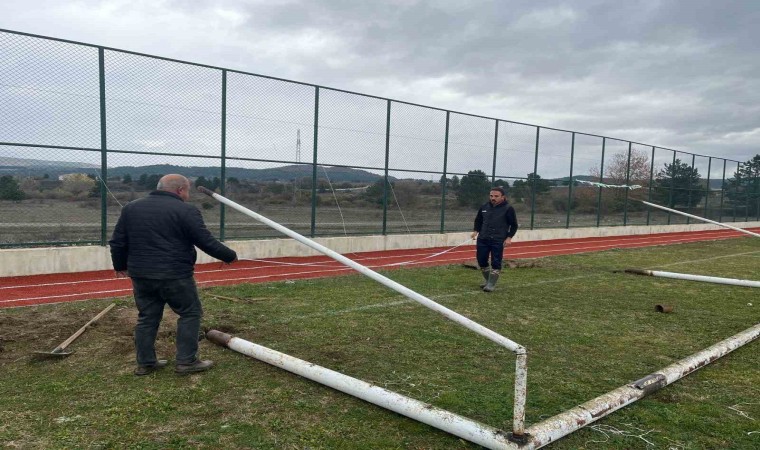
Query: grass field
{"type": "Point", "coordinates": [588, 330]}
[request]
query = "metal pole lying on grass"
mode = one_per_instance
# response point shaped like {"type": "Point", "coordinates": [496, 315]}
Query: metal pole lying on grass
{"type": "Point", "coordinates": [686, 276]}
{"type": "Point", "coordinates": [455, 424]}
{"type": "Point", "coordinates": [536, 436]}
{"type": "Point", "coordinates": [561, 425]}
{"type": "Point", "coordinates": [741, 230]}
{"type": "Point", "coordinates": [521, 372]}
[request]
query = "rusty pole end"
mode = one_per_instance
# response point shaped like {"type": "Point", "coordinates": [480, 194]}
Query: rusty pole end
{"type": "Point", "coordinates": [639, 272]}
{"type": "Point", "coordinates": [206, 191]}
{"type": "Point", "coordinates": [218, 337]}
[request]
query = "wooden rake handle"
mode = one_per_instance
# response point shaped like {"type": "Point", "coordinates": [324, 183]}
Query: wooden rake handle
{"type": "Point", "coordinates": [79, 332]}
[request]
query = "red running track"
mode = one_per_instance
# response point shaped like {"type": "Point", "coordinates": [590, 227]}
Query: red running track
{"type": "Point", "coordinates": [66, 287]}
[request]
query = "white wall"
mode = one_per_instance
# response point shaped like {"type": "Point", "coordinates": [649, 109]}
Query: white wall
{"type": "Point", "coordinates": [33, 261]}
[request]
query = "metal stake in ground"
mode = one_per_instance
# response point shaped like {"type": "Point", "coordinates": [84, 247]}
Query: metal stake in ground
{"type": "Point", "coordinates": [60, 351]}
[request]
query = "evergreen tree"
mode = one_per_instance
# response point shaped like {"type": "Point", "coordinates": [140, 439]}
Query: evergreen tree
{"type": "Point", "coordinates": [473, 189]}
{"type": "Point", "coordinates": [744, 187]}
{"type": "Point", "coordinates": [522, 190]}
{"type": "Point", "coordinates": [9, 189]}
{"type": "Point", "coordinates": [374, 193]}
{"type": "Point", "coordinates": [679, 185]}
{"type": "Point", "coordinates": [540, 185]}
{"type": "Point", "coordinates": [503, 184]}
{"type": "Point", "coordinates": [152, 181]}
{"type": "Point", "coordinates": [455, 183]}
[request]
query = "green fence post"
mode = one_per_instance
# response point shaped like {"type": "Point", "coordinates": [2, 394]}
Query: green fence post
{"type": "Point", "coordinates": [533, 186]}
{"type": "Point", "coordinates": [443, 177]}
{"type": "Point", "coordinates": [746, 204]}
{"type": "Point", "coordinates": [672, 185]}
{"type": "Point", "coordinates": [570, 183]}
{"type": "Point", "coordinates": [601, 180]}
{"type": "Point", "coordinates": [223, 182]}
{"type": "Point", "coordinates": [651, 181]}
{"type": "Point", "coordinates": [688, 204]}
{"type": "Point", "coordinates": [707, 194]}
{"type": "Point", "coordinates": [736, 190]}
{"type": "Point", "coordinates": [722, 191]}
{"type": "Point", "coordinates": [103, 149]}
{"type": "Point", "coordinates": [627, 183]}
{"type": "Point", "coordinates": [314, 165]}
{"type": "Point", "coordinates": [756, 186]}
{"type": "Point", "coordinates": [495, 145]}
{"type": "Point", "coordinates": [387, 155]}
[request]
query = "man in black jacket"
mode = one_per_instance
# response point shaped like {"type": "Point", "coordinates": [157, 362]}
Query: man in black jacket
{"type": "Point", "coordinates": [154, 244]}
{"type": "Point", "coordinates": [495, 225]}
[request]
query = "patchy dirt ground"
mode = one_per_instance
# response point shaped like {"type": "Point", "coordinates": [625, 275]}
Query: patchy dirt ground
{"type": "Point", "coordinates": [42, 328]}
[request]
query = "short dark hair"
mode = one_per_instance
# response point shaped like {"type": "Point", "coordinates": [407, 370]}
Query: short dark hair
{"type": "Point", "coordinates": [498, 189]}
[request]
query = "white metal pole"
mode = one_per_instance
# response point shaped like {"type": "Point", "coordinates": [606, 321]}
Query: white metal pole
{"type": "Point", "coordinates": [704, 278]}
{"type": "Point", "coordinates": [741, 230]}
{"type": "Point", "coordinates": [456, 317]}
{"type": "Point", "coordinates": [543, 433]}
{"type": "Point", "coordinates": [521, 395]}
{"type": "Point", "coordinates": [449, 422]}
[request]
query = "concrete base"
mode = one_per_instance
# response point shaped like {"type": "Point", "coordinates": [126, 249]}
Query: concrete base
{"type": "Point", "coordinates": [36, 261]}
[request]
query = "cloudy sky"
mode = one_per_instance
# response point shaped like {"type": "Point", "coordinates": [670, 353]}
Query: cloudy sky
{"type": "Point", "coordinates": [677, 74]}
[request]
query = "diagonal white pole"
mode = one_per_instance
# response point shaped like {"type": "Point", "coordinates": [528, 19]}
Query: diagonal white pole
{"type": "Point", "coordinates": [456, 317]}
{"type": "Point", "coordinates": [741, 230]}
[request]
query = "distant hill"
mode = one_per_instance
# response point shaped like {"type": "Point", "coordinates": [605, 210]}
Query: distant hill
{"type": "Point", "coordinates": [22, 162]}
{"type": "Point", "coordinates": [39, 168]}
{"type": "Point", "coordinates": [284, 173]}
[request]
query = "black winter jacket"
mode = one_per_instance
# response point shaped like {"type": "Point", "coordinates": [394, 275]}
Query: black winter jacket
{"type": "Point", "coordinates": [496, 222]}
{"type": "Point", "coordinates": [156, 236]}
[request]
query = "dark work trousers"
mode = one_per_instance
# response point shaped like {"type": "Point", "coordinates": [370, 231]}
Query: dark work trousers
{"type": "Point", "coordinates": [486, 247]}
{"type": "Point", "coordinates": [182, 297]}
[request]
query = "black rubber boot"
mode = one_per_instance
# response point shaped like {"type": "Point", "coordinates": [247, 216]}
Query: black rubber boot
{"type": "Point", "coordinates": [492, 279]}
{"type": "Point", "coordinates": [486, 271]}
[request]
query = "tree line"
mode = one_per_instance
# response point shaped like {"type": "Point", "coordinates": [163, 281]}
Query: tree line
{"type": "Point", "coordinates": [675, 185]}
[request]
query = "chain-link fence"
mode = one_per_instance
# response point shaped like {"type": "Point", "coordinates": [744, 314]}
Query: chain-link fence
{"type": "Point", "coordinates": [85, 129]}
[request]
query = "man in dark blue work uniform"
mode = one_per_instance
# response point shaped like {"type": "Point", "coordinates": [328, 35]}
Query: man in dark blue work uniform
{"type": "Point", "coordinates": [495, 225]}
{"type": "Point", "coordinates": [154, 244]}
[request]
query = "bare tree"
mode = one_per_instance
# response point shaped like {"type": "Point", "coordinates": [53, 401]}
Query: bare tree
{"type": "Point", "coordinates": [616, 171]}
{"type": "Point", "coordinates": [619, 171]}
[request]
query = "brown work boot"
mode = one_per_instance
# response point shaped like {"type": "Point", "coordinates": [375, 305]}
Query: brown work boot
{"type": "Point", "coordinates": [147, 370]}
{"type": "Point", "coordinates": [194, 367]}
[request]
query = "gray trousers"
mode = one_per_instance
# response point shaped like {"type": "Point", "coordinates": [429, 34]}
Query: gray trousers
{"type": "Point", "coordinates": [182, 297]}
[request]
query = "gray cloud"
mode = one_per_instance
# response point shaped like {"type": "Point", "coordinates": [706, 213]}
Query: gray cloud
{"type": "Point", "coordinates": [681, 74]}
